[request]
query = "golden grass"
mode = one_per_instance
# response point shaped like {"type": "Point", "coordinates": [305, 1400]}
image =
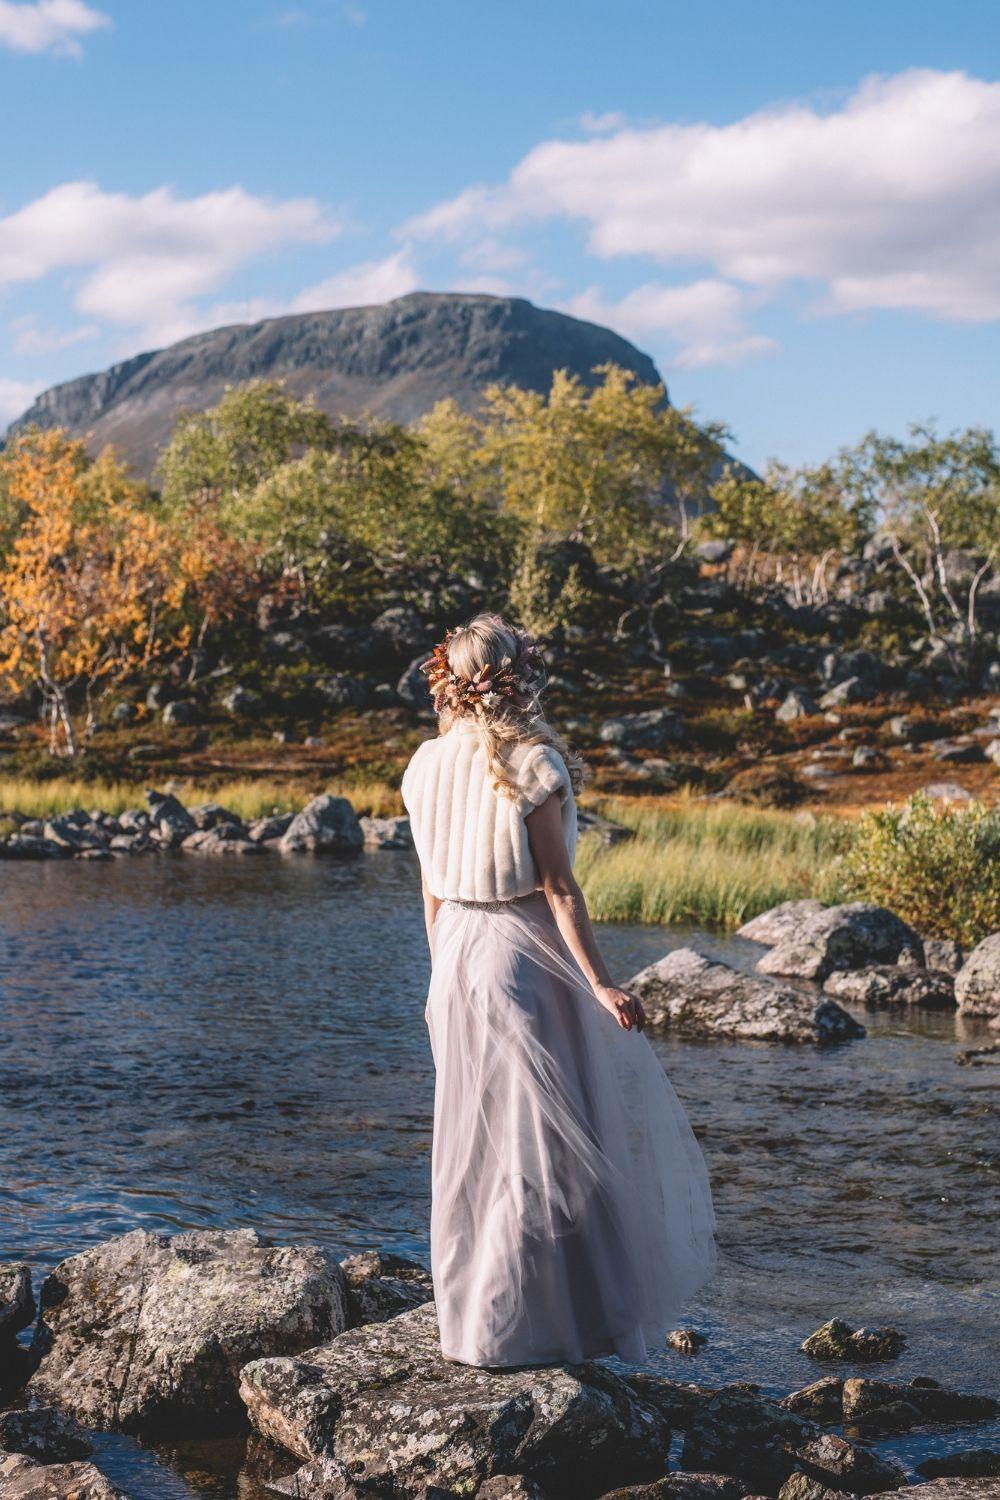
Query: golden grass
{"type": "Point", "coordinates": [246, 797]}
{"type": "Point", "coordinates": [713, 864]}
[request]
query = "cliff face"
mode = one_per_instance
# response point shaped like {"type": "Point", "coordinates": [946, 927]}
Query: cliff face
{"type": "Point", "coordinates": [394, 360]}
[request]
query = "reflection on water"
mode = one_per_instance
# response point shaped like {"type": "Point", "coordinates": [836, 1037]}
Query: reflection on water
{"type": "Point", "coordinates": [191, 1043]}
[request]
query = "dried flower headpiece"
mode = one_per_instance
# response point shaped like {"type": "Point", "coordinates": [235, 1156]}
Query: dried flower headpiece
{"type": "Point", "coordinates": [516, 678]}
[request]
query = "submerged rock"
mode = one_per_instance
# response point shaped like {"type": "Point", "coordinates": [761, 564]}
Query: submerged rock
{"type": "Point", "coordinates": [43, 1433]}
{"type": "Point", "coordinates": [837, 1340]}
{"type": "Point", "coordinates": [843, 1465]}
{"type": "Point", "coordinates": [886, 986]}
{"type": "Point", "coordinates": [386, 833]}
{"type": "Point", "coordinates": [852, 936]}
{"type": "Point", "coordinates": [24, 1478]}
{"type": "Point", "coordinates": [695, 996]}
{"type": "Point", "coordinates": [971, 1463]}
{"type": "Point", "coordinates": [977, 985]}
{"type": "Point", "coordinates": [381, 1403]}
{"type": "Point", "coordinates": [381, 1285]}
{"type": "Point", "coordinates": [742, 1433]}
{"type": "Point", "coordinates": [875, 1405]}
{"type": "Point", "coordinates": [780, 922]}
{"type": "Point", "coordinates": [326, 825]}
{"type": "Point", "coordinates": [686, 1340]}
{"type": "Point", "coordinates": [147, 1333]}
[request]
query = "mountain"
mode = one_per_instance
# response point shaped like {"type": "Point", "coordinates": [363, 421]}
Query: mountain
{"type": "Point", "coordinates": [395, 360]}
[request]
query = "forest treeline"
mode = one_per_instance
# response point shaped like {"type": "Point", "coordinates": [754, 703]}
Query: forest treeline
{"type": "Point", "coordinates": [572, 509]}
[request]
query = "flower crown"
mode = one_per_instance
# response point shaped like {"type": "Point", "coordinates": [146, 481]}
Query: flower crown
{"type": "Point", "coordinates": [515, 678]}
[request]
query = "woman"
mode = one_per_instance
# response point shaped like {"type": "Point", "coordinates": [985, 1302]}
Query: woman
{"type": "Point", "coordinates": [571, 1212]}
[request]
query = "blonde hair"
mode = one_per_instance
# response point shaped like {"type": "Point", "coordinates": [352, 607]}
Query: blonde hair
{"type": "Point", "coordinates": [488, 641]}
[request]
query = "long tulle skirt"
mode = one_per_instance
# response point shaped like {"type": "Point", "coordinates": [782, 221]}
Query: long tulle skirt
{"type": "Point", "coordinates": [571, 1212]}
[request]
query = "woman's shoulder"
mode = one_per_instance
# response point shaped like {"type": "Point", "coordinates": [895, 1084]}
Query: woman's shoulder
{"type": "Point", "coordinates": [538, 771]}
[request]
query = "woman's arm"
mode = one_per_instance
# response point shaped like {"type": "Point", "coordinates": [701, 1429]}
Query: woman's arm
{"type": "Point", "coordinates": [431, 904]}
{"type": "Point", "coordinates": [566, 901]}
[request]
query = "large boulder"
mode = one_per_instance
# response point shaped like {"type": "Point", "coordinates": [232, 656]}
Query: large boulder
{"type": "Point", "coordinates": [381, 1403]}
{"type": "Point", "coordinates": [412, 686]}
{"type": "Point", "coordinates": [23, 1478]}
{"type": "Point", "coordinates": [17, 1304]}
{"type": "Point", "coordinates": [387, 833]}
{"type": "Point", "coordinates": [171, 820]}
{"type": "Point", "coordinates": [683, 1487]}
{"type": "Point", "coordinates": [948, 1489]}
{"type": "Point", "coordinates": [696, 996]}
{"type": "Point", "coordinates": [977, 985]}
{"type": "Point", "coordinates": [381, 1285]}
{"type": "Point", "coordinates": [647, 731]}
{"type": "Point", "coordinates": [147, 1333]}
{"type": "Point", "coordinates": [887, 986]}
{"type": "Point", "coordinates": [44, 1433]}
{"type": "Point", "coordinates": [780, 922]}
{"type": "Point", "coordinates": [843, 937]}
{"type": "Point", "coordinates": [875, 1405]}
{"type": "Point", "coordinates": [326, 825]}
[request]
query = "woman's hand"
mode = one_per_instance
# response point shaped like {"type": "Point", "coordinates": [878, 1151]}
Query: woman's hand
{"type": "Point", "coordinates": [627, 1009]}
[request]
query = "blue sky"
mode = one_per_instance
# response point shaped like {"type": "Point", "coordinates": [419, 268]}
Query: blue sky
{"type": "Point", "coordinates": [794, 208]}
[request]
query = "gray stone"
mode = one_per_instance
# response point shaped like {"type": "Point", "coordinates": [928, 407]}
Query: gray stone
{"type": "Point", "coordinates": [412, 687]}
{"type": "Point", "coordinates": [17, 1303]}
{"type": "Point", "coordinates": [959, 752]}
{"type": "Point", "coordinates": [782, 921]}
{"type": "Point", "coordinates": [268, 830]}
{"type": "Point", "coordinates": [381, 1285]}
{"type": "Point", "coordinates": [800, 1486]}
{"type": "Point", "coordinates": [223, 839]}
{"type": "Point", "coordinates": [180, 713]}
{"type": "Point", "coordinates": [172, 822]}
{"type": "Point", "coordinates": [844, 1465]}
{"type": "Point", "coordinates": [944, 955]}
{"type": "Point", "coordinates": [695, 996]}
{"type": "Point", "coordinates": [386, 833]}
{"type": "Point", "coordinates": [382, 1403]}
{"type": "Point", "coordinates": [946, 791]}
{"type": "Point", "coordinates": [837, 1340]}
{"type": "Point", "coordinates": [992, 752]}
{"type": "Point", "coordinates": [147, 1333]}
{"type": "Point", "coordinates": [714, 552]}
{"type": "Point", "coordinates": [952, 1489]}
{"type": "Point", "coordinates": [211, 814]}
{"type": "Point", "coordinates": [687, 1486]}
{"type": "Point", "coordinates": [867, 758]}
{"type": "Point", "coordinates": [822, 1401]}
{"type": "Point", "coordinates": [342, 691]}
{"type": "Point", "coordinates": [843, 937]}
{"type": "Point", "coordinates": [686, 1340]}
{"type": "Point", "coordinates": [71, 831]}
{"type": "Point", "coordinates": [977, 984]}
{"type": "Point", "coordinates": [32, 846]}
{"type": "Point", "coordinates": [797, 704]}
{"type": "Point", "coordinates": [851, 690]}
{"type": "Point", "coordinates": [22, 1478]}
{"type": "Point", "coordinates": [871, 1406]}
{"type": "Point", "coordinates": [400, 629]}
{"type": "Point", "coordinates": [740, 1432]}
{"type": "Point", "coordinates": [886, 986]}
{"type": "Point", "coordinates": [646, 731]}
{"type": "Point", "coordinates": [44, 1433]}
{"type": "Point", "coordinates": [606, 829]}
{"type": "Point", "coordinates": [158, 695]}
{"type": "Point", "coordinates": [243, 702]}
{"type": "Point", "coordinates": [326, 825]}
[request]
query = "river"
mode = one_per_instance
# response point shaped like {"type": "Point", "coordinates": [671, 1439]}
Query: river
{"type": "Point", "coordinates": [189, 1043]}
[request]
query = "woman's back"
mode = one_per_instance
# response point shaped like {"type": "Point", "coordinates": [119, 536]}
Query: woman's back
{"type": "Point", "coordinates": [471, 839]}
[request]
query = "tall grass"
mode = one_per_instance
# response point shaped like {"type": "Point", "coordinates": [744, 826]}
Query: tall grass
{"type": "Point", "coordinates": [247, 798]}
{"type": "Point", "coordinates": [713, 864]}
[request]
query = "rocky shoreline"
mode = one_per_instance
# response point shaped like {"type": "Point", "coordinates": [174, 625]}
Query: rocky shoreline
{"type": "Point", "coordinates": [335, 1367]}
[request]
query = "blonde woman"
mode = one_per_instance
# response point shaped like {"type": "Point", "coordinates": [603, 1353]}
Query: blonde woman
{"type": "Point", "coordinates": [571, 1212]}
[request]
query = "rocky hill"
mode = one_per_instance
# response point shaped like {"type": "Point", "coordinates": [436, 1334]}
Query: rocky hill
{"type": "Point", "coordinates": [394, 360]}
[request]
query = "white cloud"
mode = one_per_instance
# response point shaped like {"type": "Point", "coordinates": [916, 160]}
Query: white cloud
{"type": "Point", "coordinates": [612, 119]}
{"type": "Point", "coordinates": [49, 26]}
{"type": "Point", "coordinates": [30, 339]}
{"type": "Point", "coordinates": [15, 397]}
{"type": "Point", "coordinates": [145, 262]}
{"type": "Point", "coordinates": [707, 319]}
{"type": "Point", "coordinates": [891, 200]}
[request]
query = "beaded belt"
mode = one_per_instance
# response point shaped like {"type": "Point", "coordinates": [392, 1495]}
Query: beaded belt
{"type": "Point", "coordinates": [489, 905]}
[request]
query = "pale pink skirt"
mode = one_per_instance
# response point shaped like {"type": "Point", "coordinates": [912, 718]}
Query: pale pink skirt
{"type": "Point", "coordinates": [571, 1211]}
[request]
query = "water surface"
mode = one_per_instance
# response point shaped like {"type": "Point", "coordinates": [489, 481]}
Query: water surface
{"type": "Point", "coordinates": [199, 1043]}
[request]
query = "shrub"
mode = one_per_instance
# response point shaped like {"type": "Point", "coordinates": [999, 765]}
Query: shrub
{"type": "Point", "coordinates": [938, 868]}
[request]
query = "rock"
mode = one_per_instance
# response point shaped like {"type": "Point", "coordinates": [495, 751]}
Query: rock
{"type": "Point", "coordinates": [326, 825]}
{"type": "Point", "coordinates": [224, 839]}
{"type": "Point", "coordinates": [740, 1432]}
{"type": "Point", "coordinates": [971, 1056]}
{"type": "Point", "coordinates": [946, 791]}
{"type": "Point", "coordinates": [510, 1487]}
{"type": "Point", "coordinates": [817, 772]}
{"type": "Point", "coordinates": [400, 630]}
{"type": "Point", "coordinates": [780, 922]}
{"type": "Point", "coordinates": [72, 831]}
{"type": "Point", "coordinates": [683, 1487]}
{"type": "Point", "coordinates": [977, 984]}
{"type": "Point", "coordinates": [959, 752]}
{"type": "Point", "coordinates": [867, 758]}
{"type": "Point", "coordinates": [800, 1487]}
{"type": "Point", "coordinates": [147, 1333]}
{"type": "Point", "coordinates": [820, 1402]}
{"type": "Point", "coordinates": [17, 1303]}
{"type": "Point", "coordinates": [211, 814]}
{"type": "Point", "coordinates": [243, 702]}
{"type": "Point", "coordinates": [836, 1340]}
{"type": "Point", "coordinates": [171, 820]}
{"type": "Point", "coordinates": [381, 1285]}
{"type": "Point", "coordinates": [32, 846]}
{"type": "Point", "coordinates": [386, 833]}
{"type": "Point", "coordinates": [953, 1489]}
{"type": "Point", "coordinates": [43, 1433]}
{"type": "Point", "coordinates": [381, 1402]}
{"type": "Point", "coordinates": [844, 1465]}
{"type": "Point", "coordinates": [180, 713]}
{"type": "Point", "coordinates": [885, 986]}
{"type": "Point", "coordinates": [843, 937]}
{"type": "Point", "coordinates": [606, 829]}
{"type": "Point", "coordinates": [695, 996]}
{"type": "Point", "coordinates": [971, 1463]}
{"type": "Point", "coordinates": [943, 954]}
{"type": "Point", "coordinates": [867, 1403]}
{"type": "Point", "coordinates": [158, 695]}
{"type": "Point", "coordinates": [22, 1478]}
{"type": "Point", "coordinates": [686, 1340]}
{"type": "Point", "coordinates": [797, 704]}
{"type": "Point", "coordinates": [412, 686]}
{"type": "Point", "coordinates": [268, 830]}
{"type": "Point", "coordinates": [714, 552]}
{"type": "Point", "coordinates": [851, 690]}
{"type": "Point", "coordinates": [342, 691]}
{"type": "Point", "coordinates": [646, 731]}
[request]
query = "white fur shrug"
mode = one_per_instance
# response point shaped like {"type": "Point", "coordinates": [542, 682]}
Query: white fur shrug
{"type": "Point", "coordinates": [471, 840]}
